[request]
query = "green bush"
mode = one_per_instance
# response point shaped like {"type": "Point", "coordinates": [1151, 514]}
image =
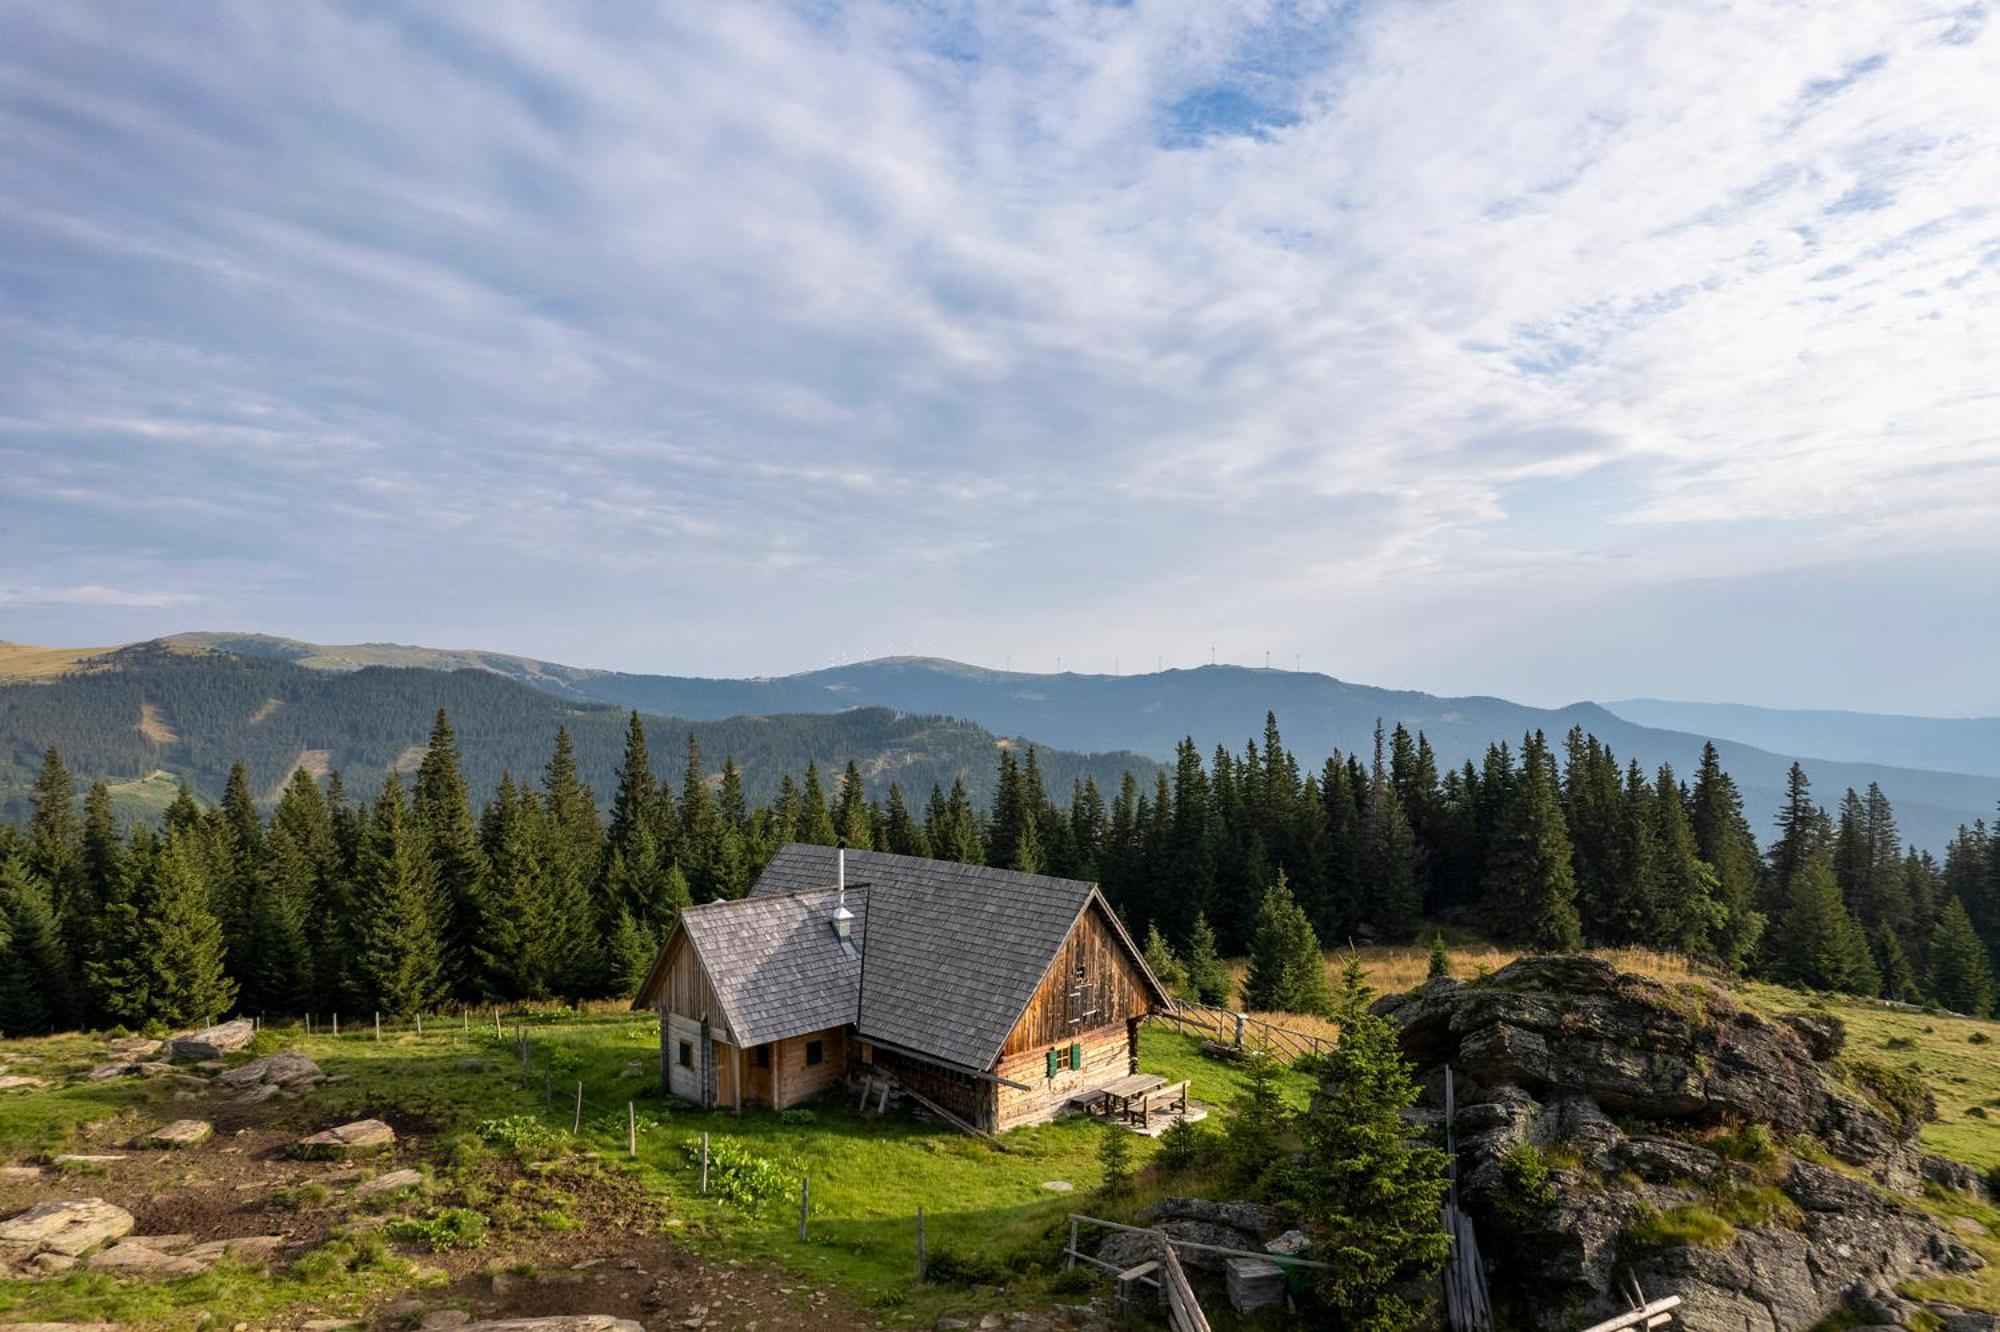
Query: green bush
{"type": "Point", "coordinates": [442, 1231]}
{"type": "Point", "coordinates": [1978, 1038]}
{"type": "Point", "coordinates": [739, 1176]}
{"type": "Point", "coordinates": [1752, 1143]}
{"type": "Point", "coordinates": [524, 1135]}
{"type": "Point", "coordinates": [1526, 1191]}
{"type": "Point", "coordinates": [948, 1267]}
{"type": "Point", "coordinates": [798, 1114]}
{"type": "Point", "coordinates": [1760, 1205]}
{"type": "Point", "coordinates": [1187, 1144]}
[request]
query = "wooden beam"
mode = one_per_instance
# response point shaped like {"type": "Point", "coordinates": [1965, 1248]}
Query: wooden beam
{"type": "Point", "coordinates": [739, 1077]}
{"type": "Point", "coordinates": [952, 1119]}
{"type": "Point", "coordinates": [777, 1074]}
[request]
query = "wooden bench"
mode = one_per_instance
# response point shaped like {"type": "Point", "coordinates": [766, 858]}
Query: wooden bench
{"type": "Point", "coordinates": [1170, 1099]}
{"type": "Point", "coordinates": [1119, 1094]}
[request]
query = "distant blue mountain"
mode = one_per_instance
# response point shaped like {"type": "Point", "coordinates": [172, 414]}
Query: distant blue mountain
{"type": "Point", "coordinates": [1948, 744]}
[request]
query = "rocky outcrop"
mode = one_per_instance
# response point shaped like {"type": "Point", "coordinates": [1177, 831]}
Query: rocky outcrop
{"type": "Point", "coordinates": [1666, 1109]}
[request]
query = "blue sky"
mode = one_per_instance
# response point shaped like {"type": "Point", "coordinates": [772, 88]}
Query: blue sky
{"type": "Point", "coordinates": [1550, 350]}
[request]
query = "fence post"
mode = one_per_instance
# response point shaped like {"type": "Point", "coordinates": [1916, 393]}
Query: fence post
{"type": "Point", "coordinates": [420, 1022]}
{"type": "Point", "coordinates": [920, 1243]}
{"type": "Point", "coordinates": [378, 1024]}
{"type": "Point", "coordinates": [336, 1024]}
{"type": "Point", "coordinates": [1070, 1264]}
{"type": "Point", "coordinates": [805, 1203]}
{"type": "Point", "coordinates": [631, 1129]}
{"type": "Point", "coordinates": [465, 1019]}
{"type": "Point", "coordinates": [496, 1023]}
{"type": "Point", "coordinates": [576, 1124]}
{"type": "Point", "coordinates": [1239, 1031]}
{"type": "Point", "coordinates": [704, 1163]}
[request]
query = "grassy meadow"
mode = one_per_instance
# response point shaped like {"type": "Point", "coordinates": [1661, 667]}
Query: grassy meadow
{"type": "Point", "coordinates": [495, 1137]}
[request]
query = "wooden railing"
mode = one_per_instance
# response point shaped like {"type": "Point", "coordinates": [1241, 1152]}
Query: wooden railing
{"type": "Point", "coordinates": [1183, 1310]}
{"type": "Point", "coordinates": [1242, 1031]}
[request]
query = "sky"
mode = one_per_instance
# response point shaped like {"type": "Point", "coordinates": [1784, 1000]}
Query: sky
{"type": "Point", "coordinates": [1553, 351]}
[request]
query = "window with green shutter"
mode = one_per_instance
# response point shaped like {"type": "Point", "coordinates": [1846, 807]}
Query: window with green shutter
{"type": "Point", "coordinates": [1052, 1063]}
{"type": "Point", "coordinates": [1076, 1054]}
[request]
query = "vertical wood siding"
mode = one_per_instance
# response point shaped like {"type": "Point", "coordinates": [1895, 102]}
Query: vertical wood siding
{"type": "Point", "coordinates": [1118, 989]}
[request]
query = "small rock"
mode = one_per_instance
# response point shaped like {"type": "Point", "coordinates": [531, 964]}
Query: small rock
{"type": "Point", "coordinates": [1290, 1244]}
{"type": "Point", "coordinates": [250, 1250]}
{"type": "Point", "coordinates": [442, 1319]}
{"type": "Point", "coordinates": [389, 1183]}
{"type": "Point", "coordinates": [83, 1158]}
{"type": "Point", "coordinates": [1057, 1185]}
{"type": "Point", "coordinates": [259, 1094]}
{"type": "Point", "coordinates": [283, 1068]}
{"type": "Point", "coordinates": [180, 1133]}
{"type": "Point", "coordinates": [105, 1072]}
{"type": "Point", "coordinates": [359, 1138]}
{"type": "Point", "coordinates": [129, 1259]}
{"type": "Point", "coordinates": [21, 1171]}
{"type": "Point", "coordinates": [11, 1081]}
{"type": "Point", "coordinates": [211, 1042]}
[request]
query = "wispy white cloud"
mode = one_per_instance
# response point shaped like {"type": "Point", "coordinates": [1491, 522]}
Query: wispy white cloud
{"type": "Point", "coordinates": [1109, 327]}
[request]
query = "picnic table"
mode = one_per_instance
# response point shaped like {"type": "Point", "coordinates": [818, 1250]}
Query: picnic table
{"type": "Point", "coordinates": [1119, 1095]}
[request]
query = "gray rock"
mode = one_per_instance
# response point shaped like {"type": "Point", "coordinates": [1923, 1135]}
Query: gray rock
{"type": "Point", "coordinates": [1248, 1217]}
{"type": "Point", "coordinates": [128, 1258]}
{"type": "Point", "coordinates": [1956, 1176]}
{"type": "Point", "coordinates": [18, 1081]}
{"type": "Point", "coordinates": [250, 1250]}
{"type": "Point", "coordinates": [1254, 1284]}
{"type": "Point", "coordinates": [360, 1138]}
{"type": "Point", "coordinates": [68, 1226]}
{"type": "Point", "coordinates": [180, 1133]}
{"type": "Point", "coordinates": [389, 1183]}
{"type": "Point", "coordinates": [211, 1042]}
{"type": "Point", "coordinates": [441, 1319]}
{"type": "Point", "coordinates": [1668, 1160]}
{"type": "Point", "coordinates": [1291, 1244]}
{"type": "Point", "coordinates": [1823, 1033]}
{"type": "Point", "coordinates": [281, 1069]}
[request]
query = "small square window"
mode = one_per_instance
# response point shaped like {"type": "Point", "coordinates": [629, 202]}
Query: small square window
{"type": "Point", "coordinates": [763, 1056]}
{"type": "Point", "coordinates": [687, 1054]}
{"type": "Point", "coordinates": [815, 1052]}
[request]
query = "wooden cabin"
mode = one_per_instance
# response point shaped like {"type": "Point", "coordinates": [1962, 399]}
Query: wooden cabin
{"type": "Point", "coordinates": [1001, 997]}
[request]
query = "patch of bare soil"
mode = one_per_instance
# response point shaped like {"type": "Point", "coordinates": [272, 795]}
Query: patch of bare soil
{"type": "Point", "coordinates": [617, 1259]}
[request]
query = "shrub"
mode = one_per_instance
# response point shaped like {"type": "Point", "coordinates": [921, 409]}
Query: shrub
{"type": "Point", "coordinates": [1751, 1143]}
{"type": "Point", "coordinates": [555, 1218]}
{"type": "Point", "coordinates": [523, 1135]}
{"type": "Point", "coordinates": [798, 1114]}
{"type": "Point", "coordinates": [1691, 1223]}
{"type": "Point", "coordinates": [738, 1175]}
{"type": "Point", "coordinates": [1188, 1143]}
{"type": "Point", "coordinates": [440, 1232]}
{"type": "Point", "coordinates": [1074, 1281]}
{"type": "Point", "coordinates": [949, 1267]}
{"type": "Point", "coordinates": [1760, 1205]}
{"type": "Point", "coordinates": [1978, 1038]}
{"type": "Point", "coordinates": [1526, 1191]}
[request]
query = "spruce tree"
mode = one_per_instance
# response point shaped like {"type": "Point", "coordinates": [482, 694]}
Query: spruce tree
{"type": "Point", "coordinates": [815, 820]}
{"type": "Point", "coordinates": [1725, 843]}
{"type": "Point", "coordinates": [55, 842]}
{"type": "Point", "coordinates": [1287, 970]}
{"type": "Point", "coordinates": [635, 802]}
{"type": "Point", "coordinates": [1687, 914]}
{"type": "Point", "coordinates": [1440, 963]}
{"type": "Point", "coordinates": [1892, 963]}
{"type": "Point", "coordinates": [441, 811]}
{"type": "Point", "coordinates": [1208, 974]}
{"type": "Point", "coordinates": [1370, 1194]}
{"type": "Point", "coordinates": [850, 818]}
{"type": "Point", "coordinates": [1530, 881]}
{"type": "Point", "coordinates": [1961, 971]}
{"type": "Point", "coordinates": [399, 957]}
{"type": "Point", "coordinates": [904, 834]}
{"type": "Point", "coordinates": [35, 995]}
{"type": "Point", "coordinates": [1388, 859]}
{"type": "Point", "coordinates": [180, 939]}
{"type": "Point", "coordinates": [1160, 960]}
{"type": "Point", "coordinates": [1818, 944]}
{"type": "Point", "coordinates": [279, 977]}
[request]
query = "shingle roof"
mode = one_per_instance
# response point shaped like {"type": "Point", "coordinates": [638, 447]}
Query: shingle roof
{"type": "Point", "coordinates": [955, 951]}
{"type": "Point", "coordinates": [775, 963]}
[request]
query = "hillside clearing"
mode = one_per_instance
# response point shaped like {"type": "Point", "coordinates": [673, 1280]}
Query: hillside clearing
{"type": "Point", "coordinates": [153, 725]}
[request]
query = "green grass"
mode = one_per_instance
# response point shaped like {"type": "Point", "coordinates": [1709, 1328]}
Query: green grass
{"type": "Point", "coordinates": [987, 1209]}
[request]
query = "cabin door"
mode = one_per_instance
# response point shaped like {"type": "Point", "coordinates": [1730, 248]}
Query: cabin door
{"type": "Point", "coordinates": [687, 1057]}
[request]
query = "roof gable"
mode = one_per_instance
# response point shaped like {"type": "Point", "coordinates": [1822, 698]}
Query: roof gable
{"type": "Point", "coordinates": [774, 963]}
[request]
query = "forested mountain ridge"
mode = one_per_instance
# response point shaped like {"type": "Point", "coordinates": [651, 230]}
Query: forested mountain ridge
{"type": "Point", "coordinates": [189, 714]}
{"type": "Point", "coordinates": [1150, 713]}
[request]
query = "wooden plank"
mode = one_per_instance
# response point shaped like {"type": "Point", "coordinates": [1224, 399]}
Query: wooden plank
{"type": "Point", "coordinates": [1183, 1310]}
{"type": "Point", "coordinates": [953, 1120]}
{"type": "Point", "coordinates": [1640, 1317]}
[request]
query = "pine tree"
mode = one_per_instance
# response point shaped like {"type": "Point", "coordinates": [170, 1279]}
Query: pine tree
{"type": "Point", "coordinates": [1687, 915]}
{"type": "Point", "coordinates": [1369, 1194]}
{"type": "Point", "coordinates": [1160, 960]}
{"type": "Point", "coordinates": [180, 940]}
{"type": "Point", "coordinates": [1388, 860]}
{"type": "Point", "coordinates": [35, 995]}
{"type": "Point", "coordinates": [1208, 974]}
{"type": "Point", "coordinates": [850, 819]}
{"type": "Point", "coordinates": [399, 960]}
{"type": "Point", "coordinates": [815, 820]}
{"type": "Point", "coordinates": [1530, 881]}
{"type": "Point", "coordinates": [904, 834]}
{"type": "Point", "coordinates": [1287, 970]}
{"type": "Point", "coordinates": [55, 843]}
{"type": "Point", "coordinates": [635, 802]}
{"type": "Point", "coordinates": [1819, 945]}
{"type": "Point", "coordinates": [571, 849]}
{"type": "Point", "coordinates": [441, 811]}
{"type": "Point", "coordinates": [1892, 962]}
{"type": "Point", "coordinates": [1253, 1139]}
{"type": "Point", "coordinates": [1961, 971]}
{"type": "Point", "coordinates": [1725, 843]}
{"type": "Point", "coordinates": [1440, 963]}
{"type": "Point", "coordinates": [279, 975]}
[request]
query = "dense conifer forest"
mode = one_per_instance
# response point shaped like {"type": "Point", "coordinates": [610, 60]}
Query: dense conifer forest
{"type": "Point", "coordinates": [410, 896]}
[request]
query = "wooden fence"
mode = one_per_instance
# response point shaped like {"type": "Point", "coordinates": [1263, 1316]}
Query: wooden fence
{"type": "Point", "coordinates": [1242, 1031]}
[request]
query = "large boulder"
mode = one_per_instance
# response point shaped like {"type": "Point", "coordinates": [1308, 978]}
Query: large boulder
{"type": "Point", "coordinates": [282, 1069]}
{"type": "Point", "coordinates": [180, 1133]}
{"type": "Point", "coordinates": [211, 1042]}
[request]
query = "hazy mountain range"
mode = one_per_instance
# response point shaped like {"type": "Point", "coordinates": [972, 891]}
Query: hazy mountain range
{"type": "Point", "coordinates": [1939, 773]}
